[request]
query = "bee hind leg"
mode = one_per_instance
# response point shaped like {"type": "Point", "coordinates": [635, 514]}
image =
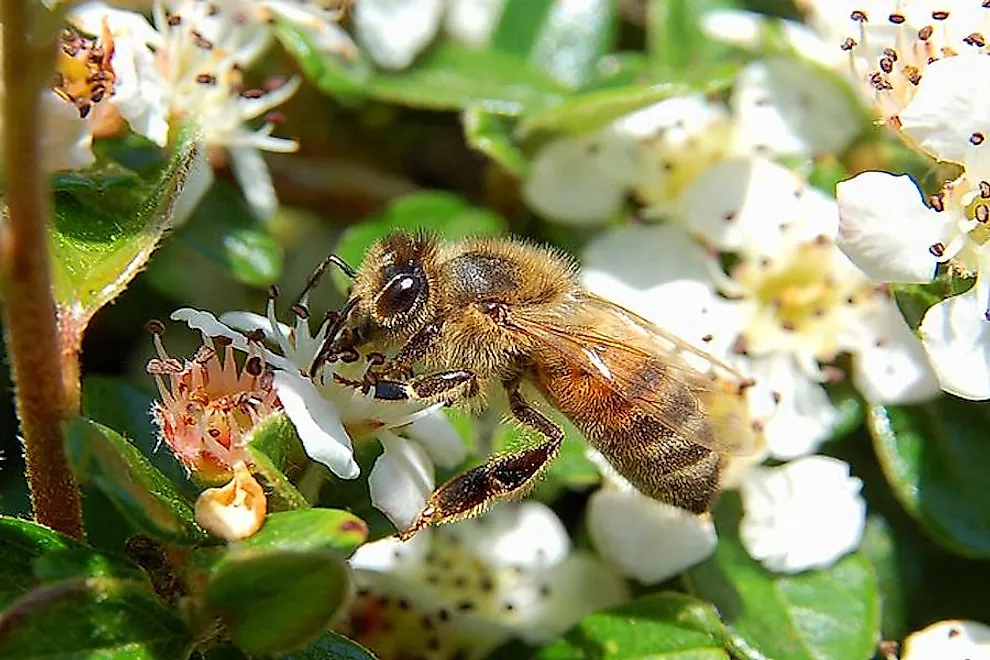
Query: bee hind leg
{"type": "Point", "coordinates": [501, 477]}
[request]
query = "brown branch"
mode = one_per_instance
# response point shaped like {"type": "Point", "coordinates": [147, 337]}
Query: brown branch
{"type": "Point", "coordinates": [29, 315]}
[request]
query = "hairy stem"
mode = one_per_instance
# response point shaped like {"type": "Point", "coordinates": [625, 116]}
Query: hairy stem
{"type": "Point", "coordinates": [29, 315]}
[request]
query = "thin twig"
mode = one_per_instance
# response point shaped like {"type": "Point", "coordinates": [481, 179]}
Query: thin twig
{"type": "Point", "coordinates": [29, 315]}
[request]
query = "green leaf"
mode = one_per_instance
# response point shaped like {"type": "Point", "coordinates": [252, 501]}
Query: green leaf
{"type": "Point", "coordinates": [119, 404]}
{"type": "Point", "coordinates": [677, 46]}
{"type": "Point", "coordinates": [492, 135]}
{"type": "Point", "coordinates": [106, 222]}
{"type": "Point", "coordinates": [915, 299]}
{"type": "Point", "coordinates": [273, 446]}
{"type": "Point", "coordinates": [144, 496]}
{"type": "Point", "coordinates": [83, 563]}
{"type": "Point", "coordinates": [21, 543]}
{"type": "Point", "coordinates": [329, 73]}
{"type": "Point", "coordinates": [329, 646]}
{"type": "Point", "coordinates": [455, 77]}
{"type": "Point", "coordinates": [880, 549]}
{"type": "Point", "coordinates": [100, 618]}
{"type": "Point", "coordinates": [442, 213]}
{"type": "Point", "coordinates": [592, 110]}
{"type": "Point", "coordinates": [519, 26]}
{"type": "Point", "coordinates": [936, 460]}
{"type": "Point", "coordinates": [312, 529]}
{"type": "Point", "coordinates": [277, 600]}
{"type": "Point", "coordinates": [620, 69]}
{"type": "Point", "coordinates": [816, 615]}
{"type": "Point", "coordinates": [224, 230]}
{"type": "Point", "coordinates": [666, 625]}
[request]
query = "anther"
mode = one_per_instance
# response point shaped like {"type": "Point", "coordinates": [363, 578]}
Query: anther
{"type": "Point", "coordinates": [254, 366]}
{"type": "Point", "coordinates": [984, 190]}
{"type": "Point", "coordinates": [925, 33]}
{"type": "Point", "coordinates": [976, 139]}
{"type": "Point", "coordinates": [301, 311]}
{"type": "Point", "coordinates": [940, 15]}
{"type": "Point", "coordinates": [273, 292]}
{"type": "Point", "coordinates": [848, 44]}
{"type": "Point", "coordinates": [859, 16]}
{"type": "Point", "coordinates": [975, 39]}
{"type": "Point", "coordinates": [206, 79]}
{"type": "Point", "coordinates": [896, 19]}
{"type": "Point", "coordinates": [937, 250]}
{"type": "Point", "coordinates": [155, 327]}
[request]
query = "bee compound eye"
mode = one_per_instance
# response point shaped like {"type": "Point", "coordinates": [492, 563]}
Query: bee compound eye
{"type": "Point", "coordinates": [399, 295]}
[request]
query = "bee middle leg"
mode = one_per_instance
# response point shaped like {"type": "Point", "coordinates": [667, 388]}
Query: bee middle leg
{"type": "Point", "coordinates": [501, 477]}
{"type": "Point", "coordinates": [447, 386]}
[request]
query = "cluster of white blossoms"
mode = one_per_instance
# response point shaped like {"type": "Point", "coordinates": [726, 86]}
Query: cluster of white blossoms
{"type": "Point", "coordinates": [745, 268]}
{"type": "Point", "coordinates": [188, 65]}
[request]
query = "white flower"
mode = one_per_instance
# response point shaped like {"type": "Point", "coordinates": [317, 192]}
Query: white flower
{"type": "Point", "coordinates": [643, 538]}
{"type": "Point", "coordinates": [327, 413]}
{"type": "Point", "coordinates": [66, 138]}
{"type": "Point", "coordinates": [472, 584]}
{"type": "Point", "coordinates": [949, 640]}
{"type": "Point", "coordinates": [888, 230]}
{"type": "Point", "coordinates": [803, 515]}
{"type": "Point", "coordinates": [748, 29]}
{"type": "Point", "coordinates": [890, 44]}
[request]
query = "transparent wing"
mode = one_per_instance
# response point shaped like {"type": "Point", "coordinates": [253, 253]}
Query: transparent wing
{"type": "Point", "coordinates": [616, 347]}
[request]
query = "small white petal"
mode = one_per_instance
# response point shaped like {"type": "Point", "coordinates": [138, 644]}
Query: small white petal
{"type": "Point", "coordinates": [956, 334]}
{"type": "Point", "coordinates": [439, 438]}
{"type": "Point", "coordinates": [748, 29]}
{"type": "Point", "coordinates": [395, 31]}
{"type": "Point", "coordinates": [524, 534]}
{"type": "Point", "coordinates": [401, 480]}
{"type": "Point", "coordinates": [66, 138]}
{"type": "Point", "coordinates": [804, 415]}
{"type": "Point", "coordinates": [208, 324]}
{"type": "Point", "coordinates": [472, 21]}
{"type": "Point", "coordinates": [323, 28]}
{"type": "Point", "coordinates": [949, 640]}
{"type": "Point", "coordinates": [390, 553]}
{"type": "Point", "coordinates": [250, 322]}
{"type": "Point", "coordinates": [891, 367]}
{"type": "Point", "coordinates": [887, 230]}
{"type": "Point", "coordinates": [788, 107]}
{"type": "Point", "coordinates": [802, 515]}
{"type": "Point", "coordinates": [678, 119]}
{"type": "Point", "coordinates": [951, 106]}
{"type": "Point", "coordinates": [645, 539]}
{"type": "Point", "coordinates": [319, 427]}
{"type": "Point", "coordinates": [252, 175]}
{"type": "Point", "coordinates": [581, 179]}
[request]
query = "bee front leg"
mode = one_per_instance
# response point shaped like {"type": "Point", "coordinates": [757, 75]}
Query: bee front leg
{"type": "Point", "coordinates": [445, 386]}
{"type": "Point", "coordinates": [501, 477]}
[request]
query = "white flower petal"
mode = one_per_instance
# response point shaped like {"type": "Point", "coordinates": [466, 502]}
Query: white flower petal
{"type": "Point", "coordinates": [951, 106]}
{"type": "Point", "coordinates": [401, 480]}
{"type": "Point", "coordinates": [319, 427]}
{"type": "Point", "coordinates": [250, 322]}
{"type": "Point", "coordinates": [66, 138]}
{"type": "Point", "coordinates": [323, 28]}
{"type": "Point", "coordinates": [581, 179]}
{"type": "Point", "coordinates": [395, 31]}
{"type": "Point", "coordinates": [255, 181]}
{"type": "Point", "coordinates": [949, 640]}
{"type": "Point", "coordinates": [891, 366]}
{"type": "Point", "coordinates": [528, 535]}
{"type": "Point", "coordinates": [645, 539]}
{"type": "Point", "coordinates": [472, 21]}
{"type": "Point", "coordinates": [956, 335]}
{"type": "Point", "coordinates": [390, 553]}
{"type": "Point", "coordinates": [748, 29]}
{"type": "Point", "coordinates": [787, 107]}
{"type": "Point", "coordinates": [208, 324]}
{"type": "Point", "coordinates": [804, 415]}
{"type": "Point", "coordinates": [435, 433]}
{"type": "Point", "coordinates": [887, 230]}
{"type": "Point", "coordinates": [803, 515]}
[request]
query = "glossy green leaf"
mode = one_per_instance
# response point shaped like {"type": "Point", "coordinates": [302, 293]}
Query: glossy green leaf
{"type": "Point", "coordinates": [676, 44]}
{"type": "Point", "coordinates": [278, 600]}
{"type": "Point", "coordinates": [492, 135]}
{"type": "Point", "coordinates": [107, 221]}
{"type": "Point", "coordinates": [666, 625]}
{"type": "Point", "coordinates": [100, 618]}
{"type": "Point", "coordinates": [455, 77]}
{"type": "Point", "coordinates": [329, 73]}
{"type": "Point", "coordinates": [915, 299]}
{"type": "Point", "coordinates": [591, 110]}
{"type": "Point", "coordinates": [620, 69]}
{"type": "Point", "coordinates": [281, 492]}
{"type": "Point", "coordinates": [312, 529]}
{"type": "Point", "coordinates": [936, 460]}
{"type": "Point", "coordinates": [519, 26]}
{"type": "Point", "coordinates": [224, 230]}
{"type": "Point", "coordinates": [880, 549]}
{"type": "Point", "coordinates": [144, 496]}
{"type": "Point", "coordinates": [120, 404]}
{"type": "Point", "coordinates": [816, 615]}
{"type": "Point", "coordinates": [21, 543]}
{"type": "Point", "coordinates": [84, 563]}
{"type": "Point", "coordinates": [441, 213]}
{"type": "Point", "coordinates": [331, 645]}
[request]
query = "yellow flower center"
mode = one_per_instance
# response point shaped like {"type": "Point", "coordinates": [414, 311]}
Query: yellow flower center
{"type": "Point", "coordinates": [84, 75]}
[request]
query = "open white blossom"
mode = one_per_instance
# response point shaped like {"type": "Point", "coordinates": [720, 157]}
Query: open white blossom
{"type": "Point", "coordinates": [889, 230]}
{"type": "Point", "coordinates": [949, 640]}
{"type": "Point", "coordinates": [469, 586]}
{"type": "Point", "coordinates": [394, 32]}
{"type": "Point", "coordinates": [791, 303]}
{"type": "Point", "coordinates": [643, 538]}
{"type": "Point", "coordinates": [803, 515]}
{"type": "Point", "coordinates": [190, 65]}
{"type": "Point", "coordinates": [328, 413]}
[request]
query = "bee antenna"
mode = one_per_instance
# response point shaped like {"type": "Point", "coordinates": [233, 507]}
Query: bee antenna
{"type": "Point", "coordinates": [317, 275]}
{"type": "Point", "coordinates": [327, 346]}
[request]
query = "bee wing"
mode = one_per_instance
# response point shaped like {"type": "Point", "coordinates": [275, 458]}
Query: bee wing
{"type": "Point", "coordinates": [613, 345]}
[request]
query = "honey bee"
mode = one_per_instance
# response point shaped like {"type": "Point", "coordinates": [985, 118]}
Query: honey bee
{"type": "Point", "coordinates": [463, 317]}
